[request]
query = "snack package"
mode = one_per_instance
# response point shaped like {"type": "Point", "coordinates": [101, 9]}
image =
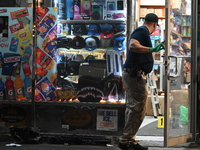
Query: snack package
{"type": "Point", "coordinates": [46, 24]}
{"type": "Point", "coordinates": [25, 38]}
{"type": "Point", "coordinates": [40, 73]}
{"type": "Point", "coordinates": [19, 13]}
{"type": "Point", "coordinates": [41, 12]}
{"type": "Point", "coordinates": [38, 96]}
{"type": "Point", "coordinates": [52, 35]}
{"type": "Point", "coordinates": [11, 64]}
{"type": "Point", "coordinates": [49, 46]}
{"type": "Point", "coordinates": [42, 58]}
{"type": "Point", "coordinates": [46, 89]}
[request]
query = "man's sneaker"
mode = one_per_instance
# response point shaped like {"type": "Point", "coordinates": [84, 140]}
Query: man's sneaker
{"type": "Point", "coordinates": [138, 147]}
{"type": "Point", "coordinates": [125, 147]}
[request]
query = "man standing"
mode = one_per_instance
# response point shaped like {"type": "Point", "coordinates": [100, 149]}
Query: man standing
{"type": "Point", "coordinates": [138, 64]}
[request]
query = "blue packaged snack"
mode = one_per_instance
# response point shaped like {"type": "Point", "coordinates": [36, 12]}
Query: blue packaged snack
{"type": "Point", "coordinates": [11, 64]}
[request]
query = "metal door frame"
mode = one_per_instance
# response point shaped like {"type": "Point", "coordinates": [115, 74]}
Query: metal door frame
{"type": "Point", "coordinates": [193, 90]}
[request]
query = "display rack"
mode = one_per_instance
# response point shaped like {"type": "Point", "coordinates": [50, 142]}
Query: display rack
{"type": "Point", "coordinates": [147, 6]}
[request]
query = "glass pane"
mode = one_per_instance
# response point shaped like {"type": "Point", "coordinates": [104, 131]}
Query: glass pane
{"type": "Point", "coordinates": [180, 65]}
{"type": "Point", "coordinates": [16, 65]}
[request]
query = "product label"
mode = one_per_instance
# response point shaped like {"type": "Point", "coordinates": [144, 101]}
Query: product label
{"type": "Point", "coordinates": [19, 13]}
{"type": "Point", "coordinates": [20, 92]}
{"type": "Point", "coordinates": [16, 27]}
{"type": "Point", "coordinates": [10, 94]}
{"type": "Point", "coordinates": [2, 95]}
{"type": "Point", "coordinates": [29, 92]}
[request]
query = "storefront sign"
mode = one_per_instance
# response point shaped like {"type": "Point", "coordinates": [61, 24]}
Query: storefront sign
{"type": "Point", "coordinates": [12, 114]}
{"type": "Point", "coordinates": [107, 120]}
{"type": "Point", "coordinates": [76, 117]}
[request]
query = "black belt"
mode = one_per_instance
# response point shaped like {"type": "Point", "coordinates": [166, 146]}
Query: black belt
{"type": "Point", "coordinates": [128, 70]}
{"type": "Point", "coordinates": [137, 72]}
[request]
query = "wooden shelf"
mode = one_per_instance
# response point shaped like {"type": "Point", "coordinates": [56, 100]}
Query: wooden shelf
{"type": "Point", "coordinates": [149, 7]}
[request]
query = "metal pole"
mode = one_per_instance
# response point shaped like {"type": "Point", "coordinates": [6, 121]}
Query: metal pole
{"type": "Point", "coordinates": [194, 78]}
{"type": "Point", "coordinates": [35, 5]}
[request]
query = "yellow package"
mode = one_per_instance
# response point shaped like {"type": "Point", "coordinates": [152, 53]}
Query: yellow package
{"type": "Point", "coordinates": [25, 38]}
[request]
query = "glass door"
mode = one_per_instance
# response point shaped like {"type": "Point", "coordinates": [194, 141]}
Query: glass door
{"type": "Point", "coordinates": [179, 63]}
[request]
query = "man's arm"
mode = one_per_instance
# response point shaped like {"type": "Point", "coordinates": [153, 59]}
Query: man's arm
{"type": "Point", "coordinates": [136, 47]}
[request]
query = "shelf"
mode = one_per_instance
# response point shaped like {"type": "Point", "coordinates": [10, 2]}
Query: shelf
{"type": "Point", "coordinates": [151, 5]}
{"type": "Point", "coordinates": [174, 44]}
{"type": "Point", "coordinates": [15, 102]}
{"type": "Point", "coordinates": [107, 104]}
{"type": "Point", "coordinates": [174, 32]}
{"type": "Point", "coordinates": [159, 17]}
{"type": "Point", "coordinates": [147, 6]}
{"type": "Point", "coordinates": [92, 21]}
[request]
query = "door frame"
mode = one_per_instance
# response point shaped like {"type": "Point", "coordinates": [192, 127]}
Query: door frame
{"type": "Point", "coordinates": [172, 141]}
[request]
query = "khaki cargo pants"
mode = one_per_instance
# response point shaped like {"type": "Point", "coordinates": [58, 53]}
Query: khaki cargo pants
{"type": "Point", "coordinates": [136, 96]}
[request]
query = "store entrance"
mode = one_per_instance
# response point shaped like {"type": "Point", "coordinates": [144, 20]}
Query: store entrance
{"type": "Point", "coordinates": [175, 79]}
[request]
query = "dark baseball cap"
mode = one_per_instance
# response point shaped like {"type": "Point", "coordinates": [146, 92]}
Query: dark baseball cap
{"type": "Point", "coordinates": [151, 17]}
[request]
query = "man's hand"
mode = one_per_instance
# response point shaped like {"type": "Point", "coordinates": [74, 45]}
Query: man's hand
{"type": "Point", "coordinates": [158, 47]}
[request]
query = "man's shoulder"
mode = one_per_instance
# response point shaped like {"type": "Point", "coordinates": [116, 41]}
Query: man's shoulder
{"type": "Point", "coordinates": [139, 31]}
{"type": "Point", "coordinates": [141, 28]}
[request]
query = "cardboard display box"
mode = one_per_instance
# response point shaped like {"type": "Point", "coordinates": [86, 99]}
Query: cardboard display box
{"type": "Point", "coordinates": [149, 108]}
{"type": "Point", "coordinates": [178, 98]}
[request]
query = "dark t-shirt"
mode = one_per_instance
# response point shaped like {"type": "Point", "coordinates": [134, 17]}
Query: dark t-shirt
{"type": "Point", "coordinates": [143, 60]}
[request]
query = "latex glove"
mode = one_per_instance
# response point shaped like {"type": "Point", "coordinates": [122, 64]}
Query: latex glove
{"type": "Point", "coordinates": [158, 47]}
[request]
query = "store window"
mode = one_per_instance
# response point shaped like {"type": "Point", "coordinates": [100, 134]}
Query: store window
{"type": "Point", "coordinates": [83, 44]}
{"type": "Point", "coordinates": [3, 26]}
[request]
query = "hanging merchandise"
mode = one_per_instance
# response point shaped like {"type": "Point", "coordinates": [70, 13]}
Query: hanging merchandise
{"type": "Point", "coordinates": [114, 61]}
{"type": "Point", "coordinates": [92, 43]}
{"type": "Point", "coordinates": [106, 43]}
{"type": "Point", "coordinates": [94, 29]}
{"type": "Point", "coordinates": [79, 29]}
{"type": "Point", "coordinates": [62, 9]}
{"type": "Point", "coordinates": [107, 31]}
{"type": "Point", "coordinates": [69, 9]}
{"type": "Point", "coordinates": [86, 9]}
{"type": "Point", "coordinates": [119, 43]}
{"type": "Point", "coordinates": [97, 12]}
{"type": "Point", "coordinates": [113, 89]}
{"type": "Point", "coordinates": [119, 28]}
{"type": "Point", "coordinates": [90, 89]}
{"type": "Point", "coordinates": [78, 42]}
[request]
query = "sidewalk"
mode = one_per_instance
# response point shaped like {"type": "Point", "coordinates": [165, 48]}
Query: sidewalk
{"type": "Point", "coordinates": [76, 147]}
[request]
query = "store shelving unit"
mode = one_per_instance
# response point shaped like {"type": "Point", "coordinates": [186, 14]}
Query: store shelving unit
{"type": "Point", "coordinates": [147, 6]}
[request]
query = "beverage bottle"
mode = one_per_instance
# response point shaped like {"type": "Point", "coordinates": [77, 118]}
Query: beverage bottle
{"type": "Point", "coordinates": [19, 88]}
{"type": "Point", "coordinates": [2, 90]}
{"type": "Point", "coordinates": [14, 44]}
{"type": "Point", "coordinates": [10, 91]}
{"type": "Point", "coordinates": [27, 54]}
{"type": "Point", "coordinates": [28, 87]}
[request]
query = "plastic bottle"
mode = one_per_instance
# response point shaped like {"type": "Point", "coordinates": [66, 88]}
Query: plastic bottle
{"type": "Point", "coordinates": [2, 90]}
{"type": "Point", "coordinates": [10, 91]}
{"type": "Point", "coordinates": [28, 87]}
{"type": "Point", "coordinates": [19, 88]}
{"type": "Point", "coordinates": [27, 54]}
